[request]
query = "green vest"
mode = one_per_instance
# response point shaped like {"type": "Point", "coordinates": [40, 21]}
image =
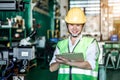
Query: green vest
{"type": "Point", "coordinates": [77, 73]}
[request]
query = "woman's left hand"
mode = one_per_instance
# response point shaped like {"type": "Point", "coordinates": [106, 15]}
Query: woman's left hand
{"type": "Point", "coordinates": [62, 60]}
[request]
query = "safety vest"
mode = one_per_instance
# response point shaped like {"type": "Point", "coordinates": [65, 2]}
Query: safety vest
{"type": "Point", "coordinates": [77, 73]}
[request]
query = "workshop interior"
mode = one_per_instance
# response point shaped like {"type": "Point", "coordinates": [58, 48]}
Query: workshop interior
{"type": "Point", "coordinates": [30, 30]}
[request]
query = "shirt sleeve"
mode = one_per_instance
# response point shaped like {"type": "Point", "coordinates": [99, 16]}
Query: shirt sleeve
{"type": "Point", "coordinates": [91, 55]}
{"type": "Point", "coordinates": [54, 57]}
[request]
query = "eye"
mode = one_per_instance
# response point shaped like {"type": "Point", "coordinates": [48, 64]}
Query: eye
{"type": "Point", "coordinates": [71, 24]}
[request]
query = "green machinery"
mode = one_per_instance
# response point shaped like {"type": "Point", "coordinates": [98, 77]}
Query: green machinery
{"type": "Point", "coordinates": [111, 54]}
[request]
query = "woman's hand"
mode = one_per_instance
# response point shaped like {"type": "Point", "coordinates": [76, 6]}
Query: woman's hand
{"type": "Point", "coordinates": [78, 64]}
{"type": "Point", "coordinates": [63, 60]}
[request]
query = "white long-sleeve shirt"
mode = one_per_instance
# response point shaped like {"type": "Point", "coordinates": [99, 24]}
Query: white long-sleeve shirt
{"type": "Point", "coordinates": [91, 52]}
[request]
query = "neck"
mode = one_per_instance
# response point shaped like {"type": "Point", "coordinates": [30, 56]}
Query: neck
{"type": "Point", "coordinates": [73, 39]}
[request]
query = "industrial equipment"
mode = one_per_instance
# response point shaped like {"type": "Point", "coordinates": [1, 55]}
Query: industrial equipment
{"type": "Point", "coordinates": [7, 5]}
{"type": "Point", "coordinates": [24, 52]}
{"type": "Point", "coordinates": [16, 58]}
{"type": "Point", "coordinates": [112, 55]}
{"type": "Point", "coordinates": [11, 5]}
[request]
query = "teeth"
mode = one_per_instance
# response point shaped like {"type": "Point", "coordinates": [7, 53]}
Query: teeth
{"type": "Point", "coordinates": [74, 31]}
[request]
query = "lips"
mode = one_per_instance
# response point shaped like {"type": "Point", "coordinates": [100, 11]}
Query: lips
{"type": "Point", "coordinates": [74, 32]}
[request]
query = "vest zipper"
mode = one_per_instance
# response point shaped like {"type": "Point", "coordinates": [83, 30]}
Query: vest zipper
{"type": "Point", "coordinates": [70, 67]}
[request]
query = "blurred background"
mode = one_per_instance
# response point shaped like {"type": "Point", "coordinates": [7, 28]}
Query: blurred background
{"type": "Point", "coordinates": [30, 30]}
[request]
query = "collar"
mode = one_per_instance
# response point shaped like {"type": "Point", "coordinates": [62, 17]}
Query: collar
{"type": "Point", "coordinates": [71, 47]}
{"type": "Point", "coordinates": [77, 39]}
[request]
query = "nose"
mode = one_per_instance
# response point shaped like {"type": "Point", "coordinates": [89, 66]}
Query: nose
{"type": "Point", "coordinates": [75, 26]}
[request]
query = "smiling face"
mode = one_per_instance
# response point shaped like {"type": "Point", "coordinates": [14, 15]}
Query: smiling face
{"type": "Point", "coordinates": [75, 29]}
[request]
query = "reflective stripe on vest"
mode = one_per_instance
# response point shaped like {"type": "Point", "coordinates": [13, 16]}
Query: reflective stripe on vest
{"type": "Point", "coordinates": [78, 71]}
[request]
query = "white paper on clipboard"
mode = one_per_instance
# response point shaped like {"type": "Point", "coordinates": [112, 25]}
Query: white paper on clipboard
{"type": "Point", "coordinates": [72, 56]}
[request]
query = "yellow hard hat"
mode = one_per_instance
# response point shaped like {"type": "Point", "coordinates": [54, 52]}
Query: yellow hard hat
{"type": "Point", "coordinates": [75, 16]}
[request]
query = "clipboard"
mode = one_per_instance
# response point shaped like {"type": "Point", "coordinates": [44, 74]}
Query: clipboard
{"type": "Point", "coordinates": [72, 56]}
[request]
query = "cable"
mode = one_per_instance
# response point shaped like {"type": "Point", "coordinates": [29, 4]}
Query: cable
{"type": "Point", "coordinates": [3, 73]}
{"type": "Point", "coordinates": [10, 66]}
{"type": "Point", "coordinates": [8, 76]}
{"type": "Point", "coordinates": [1, 55]}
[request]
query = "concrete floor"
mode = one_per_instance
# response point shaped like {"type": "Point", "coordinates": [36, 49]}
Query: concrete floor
{"type": "Point", "coordinates": [41, 72]}
{"type": "Point", "coordinates": [113, 74]}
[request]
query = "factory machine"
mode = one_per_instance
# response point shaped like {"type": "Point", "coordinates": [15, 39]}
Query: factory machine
{"type": "Point", "coordinates": [109, 58]}
{"type": "Point", "coordinates": [16, 61]}
{"type": "Point", "coordinates": [112, 55]}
